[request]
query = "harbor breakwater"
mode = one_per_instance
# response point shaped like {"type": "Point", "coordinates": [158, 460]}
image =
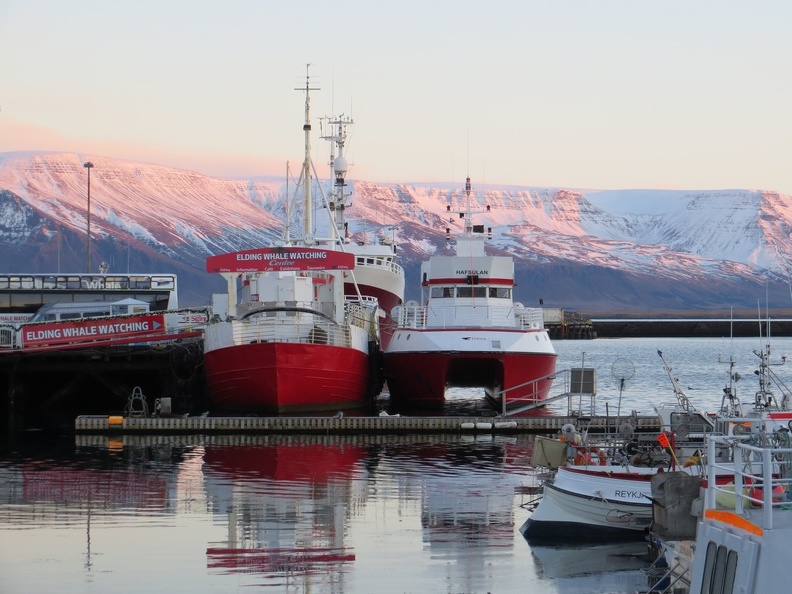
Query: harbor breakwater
{"type": "Point", "coordinates": [689, 328]}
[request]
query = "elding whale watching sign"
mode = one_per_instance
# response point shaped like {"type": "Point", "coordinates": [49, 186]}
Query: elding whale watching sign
{"type": "Point", "coordinates": [280, 259]}
{"type": "Point", "coordinates": [92, 329]}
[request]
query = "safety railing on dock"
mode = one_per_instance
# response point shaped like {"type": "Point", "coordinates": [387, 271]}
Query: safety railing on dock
{"type": "Point", "coordinates": [577, 385]}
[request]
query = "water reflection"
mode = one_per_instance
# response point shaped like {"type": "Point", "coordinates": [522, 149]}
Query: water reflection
{"type": "Point", "coordinates": [318, 513]}
{"type": "Point", "coordinates": [286, 504]}
{"type": "Point", "coordinates": [587, 559]}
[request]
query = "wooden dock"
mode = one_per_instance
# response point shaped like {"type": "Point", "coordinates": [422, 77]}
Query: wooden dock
{"type": "Point", "coordinates": [100, 424]}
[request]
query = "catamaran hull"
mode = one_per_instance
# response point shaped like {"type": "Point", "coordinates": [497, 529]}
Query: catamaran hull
{"type": "Point", "coordinates": [282, 377]}
{"type": "Point", "coordinates": [420, 378]}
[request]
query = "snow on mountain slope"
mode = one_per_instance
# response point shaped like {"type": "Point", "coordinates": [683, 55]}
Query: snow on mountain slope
{"type": "Point", "coordinates": [644, 249]}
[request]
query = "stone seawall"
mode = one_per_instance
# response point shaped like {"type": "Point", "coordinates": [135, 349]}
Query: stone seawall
{"type": "Point", "coordinates": [689, 328]}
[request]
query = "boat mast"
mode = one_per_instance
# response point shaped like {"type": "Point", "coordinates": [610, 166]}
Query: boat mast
{"type": "Point", "coordinates": [338, 168]}
{"type": "Point", "coordinates": [471, 241]}
{"type": "Point", "coordinates": [306, 174]}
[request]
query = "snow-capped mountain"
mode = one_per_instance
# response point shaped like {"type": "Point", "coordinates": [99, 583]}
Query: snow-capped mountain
{"type": "Point", "coordinates": [584, 250]}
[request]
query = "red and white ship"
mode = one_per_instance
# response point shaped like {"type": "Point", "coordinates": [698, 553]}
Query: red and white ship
{"type": "Point", "coordinates": [467, 331]}
{"type": "Point", "coordinates": [293, 340]}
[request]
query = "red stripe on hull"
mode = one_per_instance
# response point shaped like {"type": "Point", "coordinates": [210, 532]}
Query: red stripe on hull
{"type": "Point", "coordinates": [286, 377]}
{"type": "Point", "coordinates": [420, 378]}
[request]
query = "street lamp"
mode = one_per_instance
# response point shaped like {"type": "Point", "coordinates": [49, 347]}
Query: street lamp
{"type": "Point", "coordinates": [89, 166]}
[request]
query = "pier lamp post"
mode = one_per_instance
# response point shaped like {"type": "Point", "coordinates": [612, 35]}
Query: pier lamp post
{"type": "Point", "coordinates": [88, 166]}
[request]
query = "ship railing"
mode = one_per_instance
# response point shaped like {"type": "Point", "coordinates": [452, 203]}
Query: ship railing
{"type": "Point", "coordinates": [531, 318]}
{"type": "Point", "coordinates": [316, 331]}
{"type": "Point", "coordinates": [379, 262]}
{"type": "Point", "coordinates": [362, 312]}
{"type": "Point", "coordinates": [761, 465]}
{"type": "Point", "coordinates": [455, 316]}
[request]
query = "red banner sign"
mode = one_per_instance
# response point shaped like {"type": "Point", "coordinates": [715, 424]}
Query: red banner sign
{"type": "Point", "coordinates": [88, 330]}
{"type": "Point", "coordinates": [280, 259]}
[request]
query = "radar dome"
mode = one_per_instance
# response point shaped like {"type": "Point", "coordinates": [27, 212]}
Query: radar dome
{"type": "Point", "coordinates": [340, 165]}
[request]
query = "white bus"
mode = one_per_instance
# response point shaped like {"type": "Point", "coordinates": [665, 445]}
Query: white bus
{"type": "Point", "coordinates": [22, 295]}
{"type": "Point", "coordinates": [57, 312]}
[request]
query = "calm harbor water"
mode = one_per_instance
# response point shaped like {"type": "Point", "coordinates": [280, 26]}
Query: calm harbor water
{"type": "Point", "coordinates": [325, 513]}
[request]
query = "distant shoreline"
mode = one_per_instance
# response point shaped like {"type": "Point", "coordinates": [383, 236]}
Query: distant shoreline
{"type": "Point", "coordinates": [689, 328]}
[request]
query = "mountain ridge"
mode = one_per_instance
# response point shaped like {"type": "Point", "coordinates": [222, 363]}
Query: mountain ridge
{"type": "Point", "coordinates": [586, 250]}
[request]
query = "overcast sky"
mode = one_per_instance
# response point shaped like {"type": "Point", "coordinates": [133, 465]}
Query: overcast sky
{"type": "Point", "coordinates": [678, 94]}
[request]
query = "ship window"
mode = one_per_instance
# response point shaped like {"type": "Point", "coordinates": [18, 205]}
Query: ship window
{"type": "Point", "coordinates": [472, 292]}
{"type": "Point", "coordinates": [500, 292]}
{"type": "Point", "coordinates": [731, 571]}
{"type": "Point", "coordinates": [720, 567]}
{"type": "Point", "coordinates": [709, 566]}
{"type": "Point", "coordinates": [442, 292]}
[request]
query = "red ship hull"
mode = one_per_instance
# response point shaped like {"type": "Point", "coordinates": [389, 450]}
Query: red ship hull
{"type": "Point", "coordinates": [286, 378]}
{"type": "Point", "coordinates": [420, 378]}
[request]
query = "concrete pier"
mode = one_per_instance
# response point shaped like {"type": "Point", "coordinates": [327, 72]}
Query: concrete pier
{"type": "Point", "coordinates": [351, 425]}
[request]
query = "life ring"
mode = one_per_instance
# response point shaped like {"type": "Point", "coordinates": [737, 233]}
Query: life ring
{"type": "Point", "coordinates": [598, 457]}
{"type": "Point", "coordinates": [590, 456]}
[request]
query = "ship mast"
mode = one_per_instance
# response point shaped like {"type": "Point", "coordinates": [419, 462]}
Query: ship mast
{"type": "Point", "coordinates": [338, 164]}
{"type": "Point", "coordinates": [306, 173]}
{"type": "Point", "coordinates": [471, 241]}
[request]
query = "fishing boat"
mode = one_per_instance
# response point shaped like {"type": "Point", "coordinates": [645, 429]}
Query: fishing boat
{"type": "Point", "coordinates": [741, 536]}
{"type": "Point", "coordinates": [377, 273]}
{"type": "Point", "coordinates": [468, 331]}
{"type": "Point", "coordinates": [605, 490]}
{"type": "Point", "coordinates": [293, 340]}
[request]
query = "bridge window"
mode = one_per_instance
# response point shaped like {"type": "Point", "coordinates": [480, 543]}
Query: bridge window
{"type": "Point", "coordinates": [720, 566]}
{"type": "Point", "coordinates": [500, 292]}
{"type": "Point", "coordinates": [472, 292]}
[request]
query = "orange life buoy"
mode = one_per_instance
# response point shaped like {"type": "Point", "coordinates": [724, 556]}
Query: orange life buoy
{"type": "Point", "coordinates": [590, 455]}
{"type": "Point", "coordinates": [756, 495]}
{"type": "Point", "coordinates": [582, 457]}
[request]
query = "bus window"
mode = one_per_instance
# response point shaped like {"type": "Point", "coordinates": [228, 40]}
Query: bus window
{"type": "Point", "coordinates": [140, 282]}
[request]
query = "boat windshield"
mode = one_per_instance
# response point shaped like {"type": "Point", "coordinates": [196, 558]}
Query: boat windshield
{"type": "Point", "coordinates": [491, 292]}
